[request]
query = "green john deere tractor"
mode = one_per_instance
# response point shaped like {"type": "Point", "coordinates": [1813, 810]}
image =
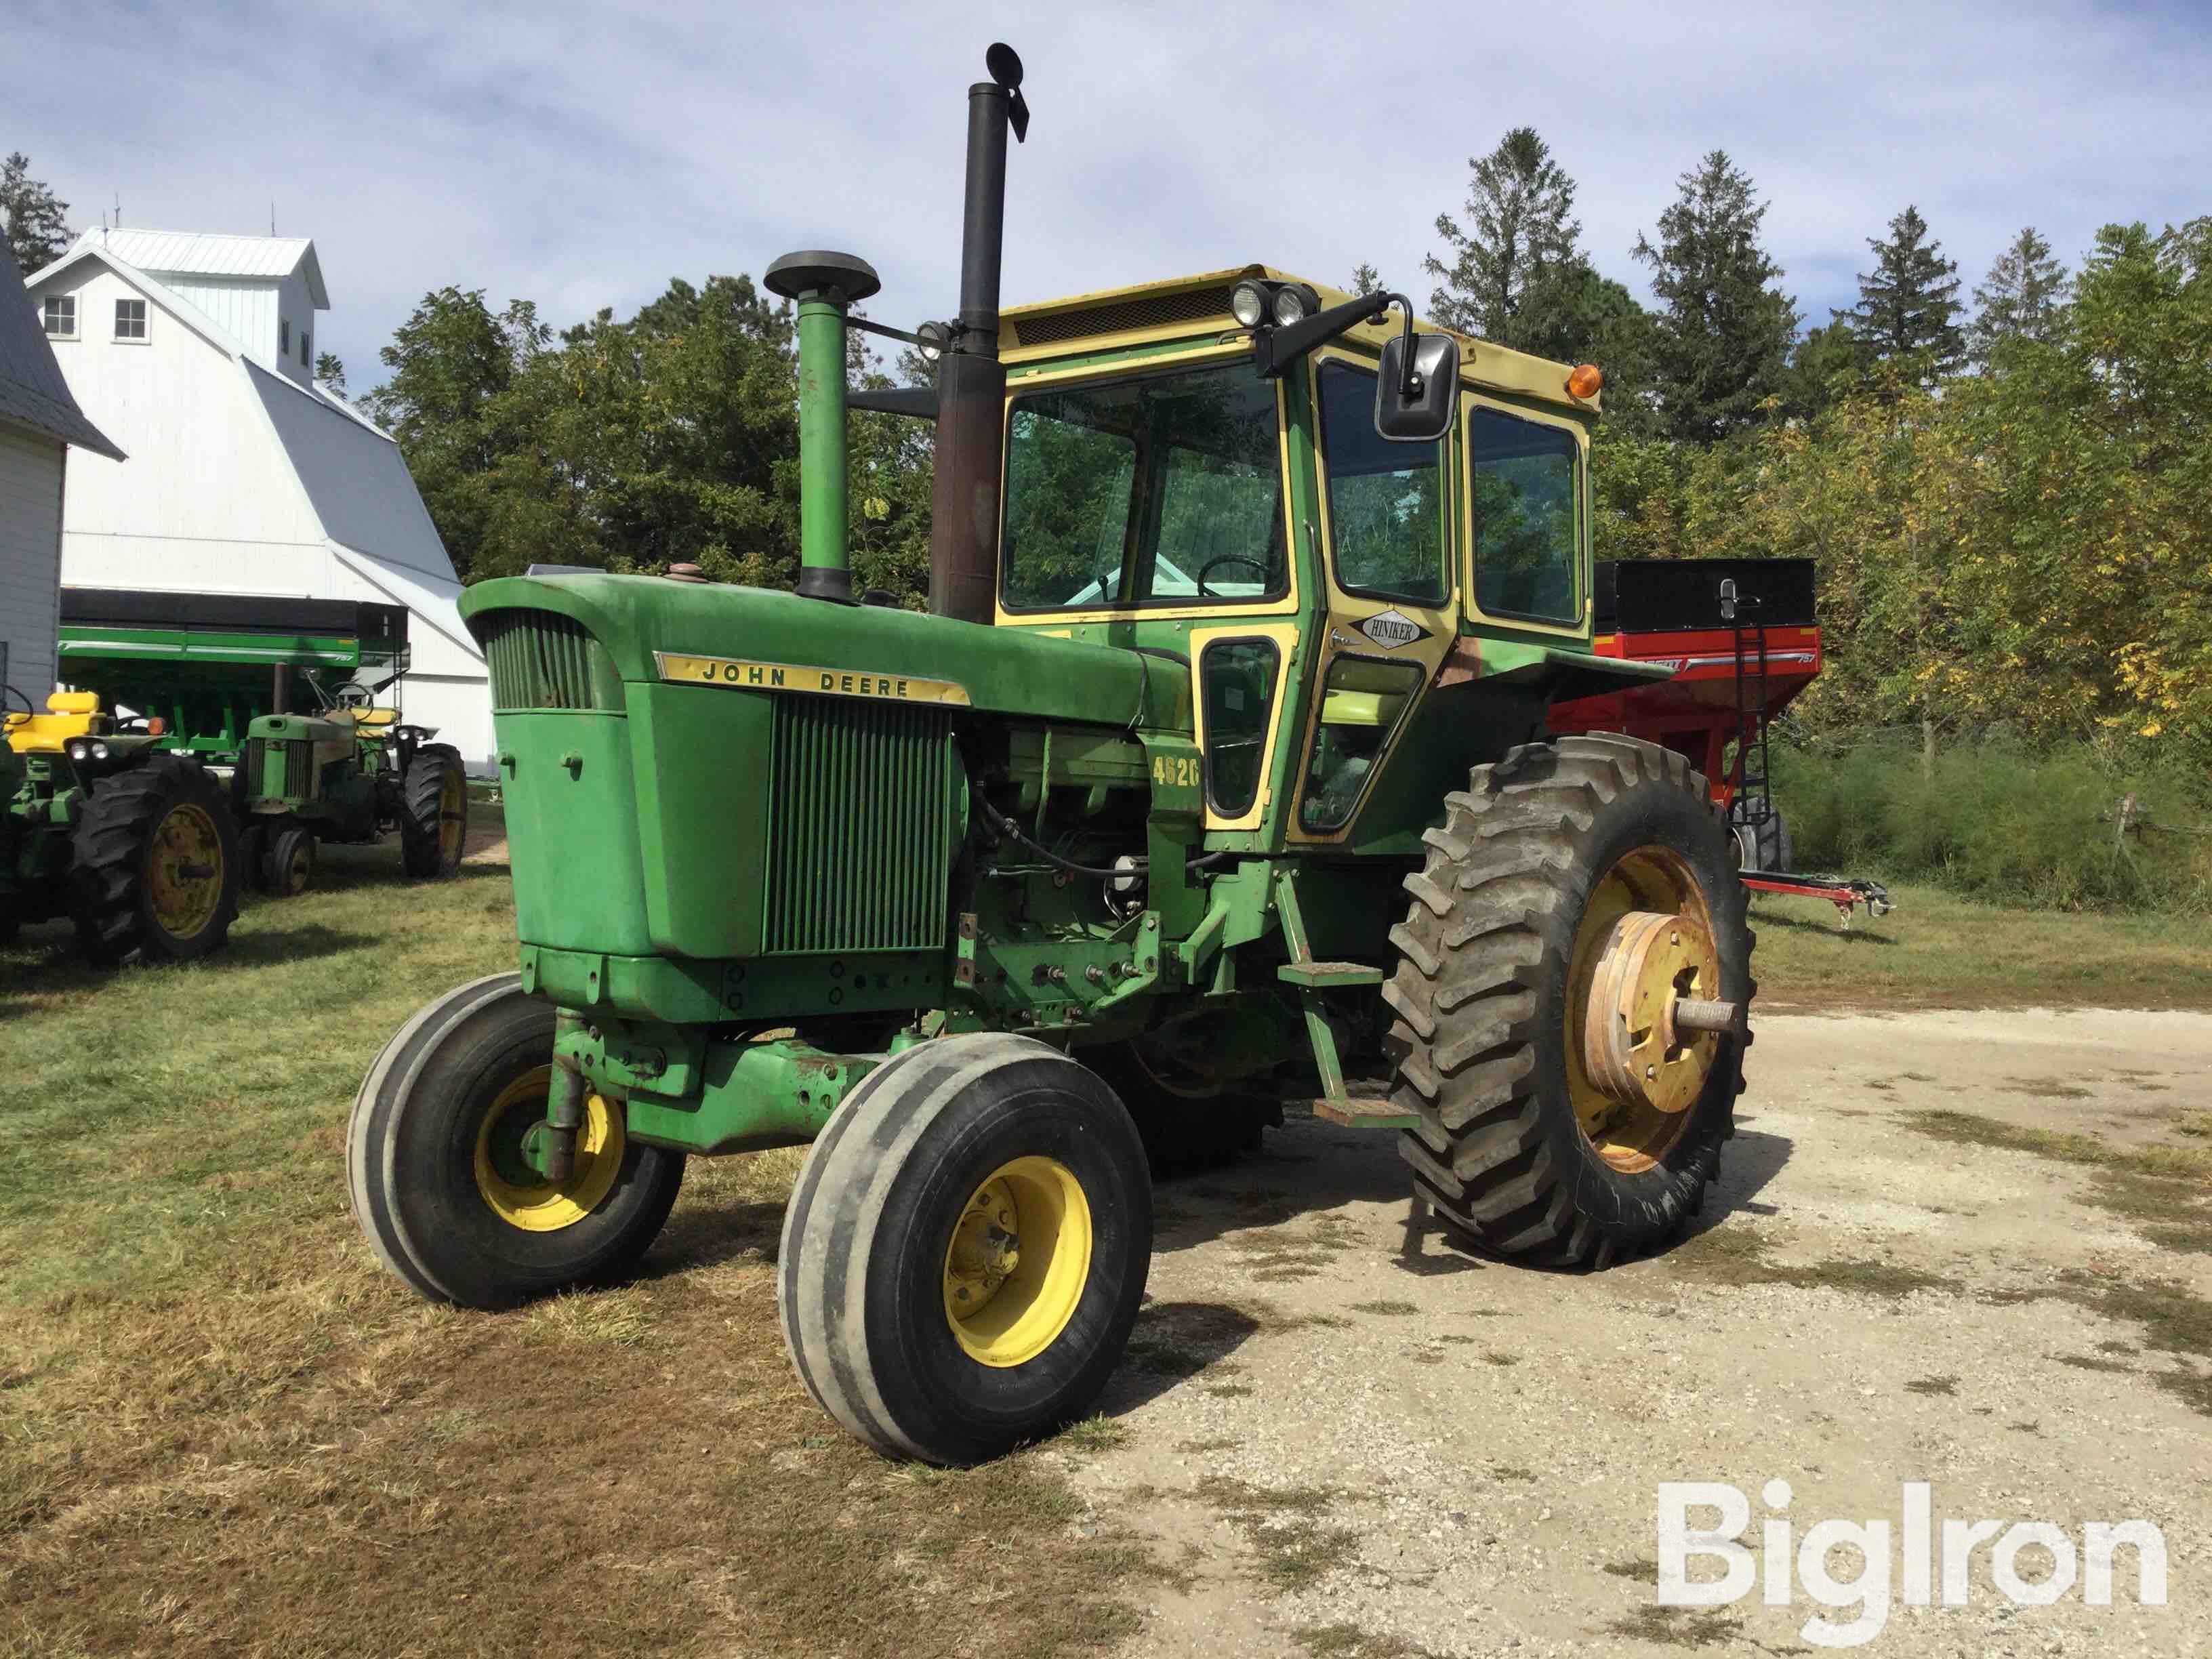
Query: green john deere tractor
{"type": "Point", "coordinates": [135, 845]}
{"type": "Point", "coordinates": [1218, 773]}
{"type": "Point", "coordinates": [351, 774]}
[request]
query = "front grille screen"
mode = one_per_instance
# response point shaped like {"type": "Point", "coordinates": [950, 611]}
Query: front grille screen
{"type": "Point", "coordinates": [541, 660]}
{"type": "Point", "coordinates": [860, 851]}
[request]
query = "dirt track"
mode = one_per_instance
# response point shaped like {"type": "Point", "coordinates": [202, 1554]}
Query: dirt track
{"type": "Point", "coordinates": [1463, 1457]}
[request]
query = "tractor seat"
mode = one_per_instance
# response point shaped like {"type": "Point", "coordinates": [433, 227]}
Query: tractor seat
{"type": "Point", "coordinates": [364, 719]}
{"type": "Point", "coordinates": [68, 715]}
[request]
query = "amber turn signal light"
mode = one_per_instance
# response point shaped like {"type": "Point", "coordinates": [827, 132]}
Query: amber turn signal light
{"type": "Point", "coordinates": [1585, 382]}
{"type": "Point", "coordinates": [156, 727]}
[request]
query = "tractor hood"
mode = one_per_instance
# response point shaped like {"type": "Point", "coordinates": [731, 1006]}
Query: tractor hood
{"type": "Point", "coordinates": [652, 629]}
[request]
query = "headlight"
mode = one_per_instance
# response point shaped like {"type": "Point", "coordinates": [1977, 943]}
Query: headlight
{"type": "Point", "coordinates": [1294, 303]}
{"type": "Point", "coordinates": [1248, 303]}
{"type": "Point", "coordinates": [932, 337]}
{"type": "Point", "coordinates": [79, 750]}
{"type": "Point", "coordinates": [100, 751]}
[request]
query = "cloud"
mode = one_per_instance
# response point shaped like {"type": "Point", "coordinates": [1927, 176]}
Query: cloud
{"type": "Point", "coordinates": [580, 155]}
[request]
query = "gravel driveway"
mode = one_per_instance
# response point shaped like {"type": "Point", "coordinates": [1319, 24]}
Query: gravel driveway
{"type": "Point", "coordinates": [1350, 1442]}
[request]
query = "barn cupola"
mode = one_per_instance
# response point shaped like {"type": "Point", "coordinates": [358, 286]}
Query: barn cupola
{"type": "Point", "coordinates": [265, 290]}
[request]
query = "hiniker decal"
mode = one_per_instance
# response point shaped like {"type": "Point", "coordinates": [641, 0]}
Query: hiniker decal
{"type": "Point", "coordinates": [742, 675]}
{"type": "Point", "coordinates": [1392, 629]}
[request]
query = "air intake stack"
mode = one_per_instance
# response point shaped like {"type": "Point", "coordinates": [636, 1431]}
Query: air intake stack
{"type": "Point", "coordinates": [963, 543]}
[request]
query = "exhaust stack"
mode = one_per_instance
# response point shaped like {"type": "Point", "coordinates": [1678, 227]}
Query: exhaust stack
{"type": "Point", "coordinates": [963, 540]}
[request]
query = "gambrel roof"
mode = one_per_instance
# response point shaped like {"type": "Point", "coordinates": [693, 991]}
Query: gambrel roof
{"type": "Point", "coordinates": [32, 392]}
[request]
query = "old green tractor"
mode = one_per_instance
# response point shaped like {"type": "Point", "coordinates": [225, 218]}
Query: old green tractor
{"type": "Point", "coordinates": [135, 847]}
{"type": "Point", "coordinates": [1218, 775]}
{"type": "Point", "coordinates": [350, 774]}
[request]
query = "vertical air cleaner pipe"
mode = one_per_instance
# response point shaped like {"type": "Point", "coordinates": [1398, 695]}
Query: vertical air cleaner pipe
{"type": "Point", "coordinates": [823, 284]}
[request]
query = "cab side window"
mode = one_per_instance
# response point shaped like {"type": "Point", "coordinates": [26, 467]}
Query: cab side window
{"type": "Point", "coordinates": [1385, 501]}
{"type": "Point", "coordinates": [1528, 530]}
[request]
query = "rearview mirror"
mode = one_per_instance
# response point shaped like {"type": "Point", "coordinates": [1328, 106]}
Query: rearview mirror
{"type": "Point", "coordinates": [1414, 401]}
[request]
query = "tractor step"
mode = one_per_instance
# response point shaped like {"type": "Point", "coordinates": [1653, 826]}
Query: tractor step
{"type": "Point", "coordinates": [1355, 1114]}
{"type": "Point", "coordinates": [1329, 975]}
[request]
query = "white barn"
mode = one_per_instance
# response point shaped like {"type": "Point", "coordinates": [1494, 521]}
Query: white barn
{"type": "Point", "coordinates": [196, 354]}
{"type": "Point", "coordinates": [39, 422]}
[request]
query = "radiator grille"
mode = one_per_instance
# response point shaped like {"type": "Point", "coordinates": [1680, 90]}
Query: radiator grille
{"type": "Point", "coordinates": [540, 659]}
{"type": "Point", "coordinates": [1155, 311]}
{"type": "Point", "coordinates": [298, 782]}
{"type": "Point", "coordinates": [859, 856]}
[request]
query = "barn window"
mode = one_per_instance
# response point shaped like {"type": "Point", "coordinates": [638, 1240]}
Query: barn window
{"type": "Point", "coordinates": [284, 335]}
{"type": "Point", "coordinates": [306, 344]}
{"type": "Point", "coordinates": [129, 320]}
{"type": "Point", "coordinates": [61, 316]}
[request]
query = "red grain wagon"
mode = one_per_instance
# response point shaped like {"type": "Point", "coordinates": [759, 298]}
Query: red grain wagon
{"type": "Point", "coordinates": [1743, 638]}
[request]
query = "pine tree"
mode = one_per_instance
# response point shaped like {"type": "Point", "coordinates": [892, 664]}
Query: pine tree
{"type": "Point", "coordinates": [1908, 305]}
{"type": "Point", "coordinates": [1518, 259]}
{"type": "Point", "coordinates": [330, 370]}
{"type": "Point", "coordinates": [1721, 345]}
{"type": "Point", "coordinates": [2024, 297]}
{"type": "Point", "coordinates": [38, 234]}
{"type": "Point", "coordinates": [1366, 280]}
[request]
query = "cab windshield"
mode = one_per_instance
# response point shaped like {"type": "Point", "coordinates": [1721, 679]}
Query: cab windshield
{"type": "Point", "coordinates": [1161, 491]}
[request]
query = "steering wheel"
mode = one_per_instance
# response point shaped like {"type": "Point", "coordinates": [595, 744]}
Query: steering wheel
{"type": "Point", "coordinates": [352, 695]}
{"type": "Point", "coordinates": [1227, 558]}
{"type": "Point", "coordinates": [7, 691]}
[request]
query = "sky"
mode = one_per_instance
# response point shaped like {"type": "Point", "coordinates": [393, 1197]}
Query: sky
{"type": "Point", "coordinates": [580, 155]}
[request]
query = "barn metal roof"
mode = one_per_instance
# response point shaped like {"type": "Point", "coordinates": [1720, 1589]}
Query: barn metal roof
{"type": "Point", "coordinates": [32, 392]}
{"type": "Point", "coordinates": [205, 253]}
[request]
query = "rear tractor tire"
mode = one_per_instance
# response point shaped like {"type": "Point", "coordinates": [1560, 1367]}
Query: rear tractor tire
{"type": "Point", "coordinates": [966, 1250]}
{"type": "Point", "coordinates": [1580, 897]}
{"type": "Point", "coordinates": [435, 1175]}
{"type": "Point", "coordinates": [156, 868]}
{"type": "Point", "coordinates": [434, 816]}
{"type": "Point", "coordinates": [1189, 1125]}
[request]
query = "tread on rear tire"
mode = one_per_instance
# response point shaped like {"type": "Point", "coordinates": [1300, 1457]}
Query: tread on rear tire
{"type": "Point", "coordinates": [1481, 993]}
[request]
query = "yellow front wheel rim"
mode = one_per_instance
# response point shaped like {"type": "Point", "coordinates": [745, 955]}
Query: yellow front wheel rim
{"type": "Point", "coordinates": [1018, 1262]}
{"type": "Point", "coordinates": [532, 1203]}
{"type": "Point", "coordinates": [183, 871]}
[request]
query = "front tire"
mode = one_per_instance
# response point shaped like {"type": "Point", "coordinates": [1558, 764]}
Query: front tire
{"type": "Point", "coordinates": [1547, 901]}
{"type": "Point", "coordinates": [966, 1250]}
{"type": "Point", "coordinates": [434, 1172]}
{"type": "Point", "coordinates": [287, 868]}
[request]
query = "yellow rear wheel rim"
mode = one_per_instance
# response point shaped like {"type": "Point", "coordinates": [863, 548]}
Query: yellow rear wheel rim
{"type": "Point", "coordinates": [452, 817]}
{"type": "Point", "coordinates": [1018, 1262]}
{"type": "Point", "coordinates": [183, 871]}
{"type": "Point", "coordinates": [1650, 879]}
{"type": "Point", "coordinates": [534, 1205]}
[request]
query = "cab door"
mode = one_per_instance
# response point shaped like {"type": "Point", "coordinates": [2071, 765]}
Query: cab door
{"type": "Point", "coordinates": [1392, 607]}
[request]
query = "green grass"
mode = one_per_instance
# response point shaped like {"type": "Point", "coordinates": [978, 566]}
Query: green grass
{"type": "Point", "coordinates": [1938, 949]}
{"type": "Point", "coordinates": [225, 1428]}
{"type": "Point", "coordinates": [1998, 821]}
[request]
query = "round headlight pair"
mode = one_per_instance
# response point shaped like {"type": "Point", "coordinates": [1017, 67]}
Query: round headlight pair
{"type": "Point", "coordinates": [1252, 303]}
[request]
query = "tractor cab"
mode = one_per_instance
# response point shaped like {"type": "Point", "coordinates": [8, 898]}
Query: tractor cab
{"type": "Point", "coordinates": [1188, 474]}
